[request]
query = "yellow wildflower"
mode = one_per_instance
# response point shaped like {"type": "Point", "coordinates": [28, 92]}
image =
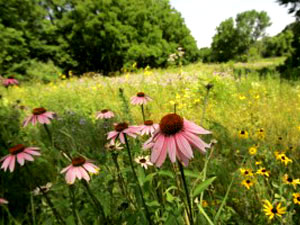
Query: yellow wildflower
{"type": "Point", "coordinates": [290, 181]}
{"type": "Point", "coordinates": [243, 134]}
{"type": "Point", "coordinates": [247, 183]}
{"type": "Point", "coordinates": [284, 159]}
{"type": "Point", "coordinates": [273, 211]}
{"type": "Point", "coordinates": [296, 198]}
{"type": "Point", "coordinates": [246, 172]}
{"type": "Point", "coordinates": [252, 150]}
{"type": "Point", "coordinates": [263, 172]}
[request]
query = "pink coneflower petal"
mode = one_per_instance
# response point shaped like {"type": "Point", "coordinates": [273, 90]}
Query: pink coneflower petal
{"type": "Point", "coordinates": [66, 169]}
{"type": "Point", "coordinates": [183, 145]}
{"type": "Point", "coordinates": [171, 148]}
{"type": "Point", "coordinates": [27, 157]}
{"type": "Point", "coordinates": [89, 167]}
{"type": "Point", "coordinates": [112, 134]}
{"type": "Point", "coordinates": [77, 172]}
{"type": "Point", "coordinates": [70, 176]}
{"type": "Point", "coordinates": [21, 159]}
{"type": "Point", "coordinates": [6, 163]}
{"type": "Point", "coordinates": [84, 174]}
{"type": "Point", "coordinates": [12, 163]}
{"type": "Point", "coordinates": [32, 152]}
{"type": "Point", "coordinates": [176, 136]}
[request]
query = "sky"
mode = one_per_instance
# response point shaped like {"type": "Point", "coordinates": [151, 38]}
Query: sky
{"type": "Point", "coordinates": [203, 16]}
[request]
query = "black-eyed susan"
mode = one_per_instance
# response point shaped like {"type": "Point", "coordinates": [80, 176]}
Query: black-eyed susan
{"type": "Point", "coordinates": [283, 158]}
{"type": "Point", "coordinates": [258, 162]}
{"type": "Point", "coordinates": [260, 133]}
{"type": "Point", "coordinates": [272, 211]}
{"type": "Point", "coordinates": [296, 198]}
{"type": "Point", "coordinates": [253, 150]}
{"type": "Point", "coordinates": [243, 134]}
{"type": "Point", "coordinates": [247, 183]}
{"type": "Point", "coordinates": [246, 172]}
{"type": "Point", "coordinates": [263, 172]}
{"type": "Point", "coordinates": [288, 180]}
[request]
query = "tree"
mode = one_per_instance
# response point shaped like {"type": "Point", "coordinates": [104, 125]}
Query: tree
{"type": "Point", "coordinates": [234, 38]}
{"type": "Point", "coordinates": [294, 6]}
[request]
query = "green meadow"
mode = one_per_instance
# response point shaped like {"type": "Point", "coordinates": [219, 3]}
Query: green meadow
{"type": "Point", "coordinates": [251, 168]}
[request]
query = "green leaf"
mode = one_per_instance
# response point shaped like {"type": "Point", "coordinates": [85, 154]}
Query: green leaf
{"type": "Point", "coordinates": [201, 187]}
{"type": "Point", "coordinates": [190, 173]}
{"type": "Point", "coordinates": [166, 173]}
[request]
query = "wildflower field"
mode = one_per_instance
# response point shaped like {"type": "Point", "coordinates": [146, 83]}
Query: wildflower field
{"type": "Point", "coordinates": [199, 144]}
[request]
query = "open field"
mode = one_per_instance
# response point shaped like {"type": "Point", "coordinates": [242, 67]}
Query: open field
{"type": "Point", "coordinates": [252, 114]}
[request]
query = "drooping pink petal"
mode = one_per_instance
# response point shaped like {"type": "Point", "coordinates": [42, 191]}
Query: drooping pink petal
{"type": "Point", "coordinates": [194, 128]}
{"type": "Point", "coordinates": [182, 158]}
{"type": "Point", "coordinates": [183, 145]}
{"type": "Point", "coordinates": [20, 158]}
{"type": "Point", "coordinates": [196, 141]}
{"type": "Point", "coordinates": [112, 134]}
{"type": "Point", "coordinates": [77, 172]}
{"type": "Point", "coordinates": [27, 157]}
{"type": "Point", "coordinates": [32, 152]}
{"type": "Point", "coordinates": [122, 138]}
{"type": "Point", "coordinates": [90, 168]}
{"type": "Point", "coordinates": [70, 176]}
{"type": "Point", "coordinates": [171, 149]}
{"type": "Point", "coordinates": [84, 174]}
{"type": "Point", "coordinates": [34, 120]}
{"type": "Point", "coordinates": [6, 162]}
{"type": "Point", "coordinates": [26, 121]}
{"type": "Point", "coordinates": [66, 168]}
{"type": "Point", "coordinates": [162, 156]}
{"type": "Point", "coordinates": [12, 163]}
{"type": "Point", "coordinates": [157, 148]}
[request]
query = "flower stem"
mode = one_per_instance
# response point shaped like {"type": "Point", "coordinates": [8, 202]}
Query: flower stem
{"type": "Point", "coordinates": [95, 201]}
{"type": "Point", "coordinates": [187, 193]}
{"type": "Point", "coordinates": [72, 196]}
{"type": "Point", "coordinates": [48, 132]}
{"type": "Point", "coordinates": [48, 200]}
{"type": "Point", "coordinates": [204, 106]}
{"type": "Point", "coordinates": [137, 181]}
{"type": "Point", "coordinates": [32, 209]}
{"type": "Point", "coordinates": [143, 112]}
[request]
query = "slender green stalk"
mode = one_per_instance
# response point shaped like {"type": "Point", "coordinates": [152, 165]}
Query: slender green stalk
{"type": "Point", "coordinates": [48, 132]}
{"type": "Point", "coordinates": [32, 209]}
{"type": "Point", "coordinates": [187, 193]}
{"type": "Point", "coordinates": [95, 201]}
{"type": "Point", "coordinates": [208, 87]}
{"type": "Point", "coordinates": [205, 215]}
{"type": "Point", "coordinates": [72, 197]}
{"type": "Point", "coordinates": [48, 200]}
{"type": "Point", "coordinates": [137, 182]}
{"type": "Point", "coordinates": [143, 112]}
{"type": "Point", "coordinates": [205, 172]}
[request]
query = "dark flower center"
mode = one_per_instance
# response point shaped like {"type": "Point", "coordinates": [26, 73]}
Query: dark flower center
{"type": "Point", "coordinates": [104, 110]}
{"type": "Point", "coordinates": [246, 172]}
{"type": "Point", "coordinates": [242, 132]}
{"type": "Point", "coordinates": [274, 210]}
{"type": "Point", "coordinates": [248, 181]}
{"type": "Point", "coordinates": [263, 170]}
{"type": "Point", "coordinates": [11, 77]}
{"type": "Point", "coordinates": [283, 157]}
{"type": "Point", "coordinates": [140, 94]}
{"type": "Point", "coordinates": [298, 199]}
{"type": "Point", "coordinates": [39, 111]}
{"type": "Point", "coordinates": [261, 130]}
{"type": "Point", "coordinates": [16, 149]}
{"type": "Point", "coordinates": [143, 160]}
{"type": "Point", "coordinates": [279, 138]}
{"type": "Point", "coordinates": [78, 161]}
{"type": "Point", "coordinates": [171, 124]}
{"type": "Point", "coordinates": [290, 180]}
{"type": "Point", "coordinates": [121, 126]}
{"type": "Point", "coordinates": [148, 122]}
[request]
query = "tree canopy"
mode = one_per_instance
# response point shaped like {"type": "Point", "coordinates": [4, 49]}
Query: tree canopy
{"type": "Point", "coordinates": [235, 37]}
{"type": "Point", "coordinates": [100, 36]}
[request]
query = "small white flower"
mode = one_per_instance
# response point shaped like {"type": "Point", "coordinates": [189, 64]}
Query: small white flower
{"type": "Point", "coordinates": [144, 161]}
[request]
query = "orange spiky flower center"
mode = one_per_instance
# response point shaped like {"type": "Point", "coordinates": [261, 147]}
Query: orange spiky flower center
{"type": "Point", "coordinates": [16, 149]}
{"type": "Point", "coordinates": [148, 122]}
{"type": "Point", "coordinates": [104, 110]}
{"type": "Point", "coordinates": [140, 94]}
{"type": "Point", "coordinates": [78, 161]}
{"type": "Point", "coordinates": [121, 126]}
{"type": "Point", "coordinates": [38, 111]}
{"type": "Point", "coordinates": [171, 124]}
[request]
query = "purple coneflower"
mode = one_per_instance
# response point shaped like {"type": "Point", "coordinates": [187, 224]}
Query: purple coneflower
{"type": "Point", "coordinates": [140, 99]}
{"type": "Point", "coordinates": [175, 136]}
{"type": "Point", "coordinates": [3, 201]}
{"type": "Point", "coordinates": [148, 127]}
{"type": "Point", "coordinates": [39, 115]}
{"type": "Point", "coordinates": [120, 130]}
{"type": "Point", "coordinates": [105, 114]}
{"type": "Point", "coordinates": [21, 153]}
{"type": "Point", "coordinates": [10, 81]}
{"type": "Point", "coordinates": [79, 168]}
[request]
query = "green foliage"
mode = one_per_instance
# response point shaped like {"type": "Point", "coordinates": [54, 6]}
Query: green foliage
{"type": "Point", "coordinates": [83, 36]}
{"type": "Point", "coordinates": [279, 45]}
{"type": "Point", "coordinates": [234, 38]}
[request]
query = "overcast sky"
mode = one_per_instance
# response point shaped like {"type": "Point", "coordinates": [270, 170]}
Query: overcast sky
{"type": "Point", "coordinates": [203, 16]}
